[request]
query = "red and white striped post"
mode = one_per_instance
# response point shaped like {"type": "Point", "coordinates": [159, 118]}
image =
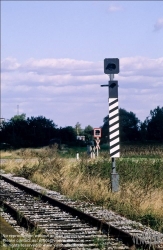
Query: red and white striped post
{"type": "Point", "coordinates": [97, 136]}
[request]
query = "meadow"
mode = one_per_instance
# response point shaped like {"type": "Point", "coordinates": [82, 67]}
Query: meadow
{"type": "Point", "coordinates": [140, 167]}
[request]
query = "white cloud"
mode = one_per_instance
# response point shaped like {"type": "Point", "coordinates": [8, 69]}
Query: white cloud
{"type": "Point", "coordinates": [52, 86]}
{"type": "Point", "coordinates": [61, 66]}
{"type": "Point", "coordinates": [141, 66]}
{"type": "Point", "coordinates": [114, 8]}
{"type": "Point", "coordinates": [159, 24]}
{"type": "Point", "coordinates": [9, 64]}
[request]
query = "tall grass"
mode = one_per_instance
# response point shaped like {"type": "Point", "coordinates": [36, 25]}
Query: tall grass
{"type": "Point", "coordinates": [140, 195]}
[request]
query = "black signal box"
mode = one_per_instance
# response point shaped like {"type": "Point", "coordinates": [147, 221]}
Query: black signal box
{"type": "Point", "coordinates": [113, 89]}
{"type": "Point", "coordinates": [111, 66]}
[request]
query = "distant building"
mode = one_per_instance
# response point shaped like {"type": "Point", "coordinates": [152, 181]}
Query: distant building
{"type": "Point", "coordinates": [80, 137]}
{"type": "Point", "coordinates": [2, 120]}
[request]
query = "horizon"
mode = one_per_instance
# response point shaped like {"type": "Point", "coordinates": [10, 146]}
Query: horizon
{"type": "Point", "coordinates": [52, 58]}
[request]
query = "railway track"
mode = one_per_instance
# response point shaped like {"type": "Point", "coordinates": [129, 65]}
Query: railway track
{"type": "Point", "coordinates": [66, 224]}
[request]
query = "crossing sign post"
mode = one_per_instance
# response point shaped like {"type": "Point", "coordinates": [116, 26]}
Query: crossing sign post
{"type": "Point", "coordinates": [97, 135]}
{"type": "Point", "coordinates": [111, 67]}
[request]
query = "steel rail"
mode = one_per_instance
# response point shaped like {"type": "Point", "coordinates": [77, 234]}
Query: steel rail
{"type": "Point", "coordinates": [106, 228]}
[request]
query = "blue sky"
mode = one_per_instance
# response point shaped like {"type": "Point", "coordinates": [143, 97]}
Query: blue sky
{"type": "Point", "coordinates": [52, 56]}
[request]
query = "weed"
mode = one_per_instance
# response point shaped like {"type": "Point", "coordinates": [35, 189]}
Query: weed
{"type": "Point", "coordinates": [19, 217]}
{"type": "Point", "coordinates": [99, 242]}
{"type": "Point", "coordinates": [26, 172]}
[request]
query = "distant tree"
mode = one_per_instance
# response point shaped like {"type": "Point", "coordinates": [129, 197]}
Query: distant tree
{"type": "Point", "coordinates": [88, 132]}
{"type": "Point", "coordinates": [41, 130]}
{"type": "Point", "coordinates": [21, 117]}
{"type": "Point", "coordinates": [105, 130]}
{"type": "Point", "coordinates": [129, 126]}
{"type": "Point", "coordinates": [154, 125]}
{"type": "Point", "coordinates": [67, 135]}
{"type": "Point", "coordinates": [30, 132]}
{"type": "Point", "coordinates": [143, 130]}
{"type": "Point", "coordinates": [78, 129]}
{"type": "Point", "coordinates": [14, 130]}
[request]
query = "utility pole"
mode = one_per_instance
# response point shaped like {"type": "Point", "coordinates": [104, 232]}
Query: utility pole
{"type": "Point", "coordinates": [17, 109]}
{"type": "Point", "coordinates": [111, 67]}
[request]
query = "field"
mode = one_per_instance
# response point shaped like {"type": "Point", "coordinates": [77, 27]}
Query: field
{"type": "Point", "coordinates": [140, 167]}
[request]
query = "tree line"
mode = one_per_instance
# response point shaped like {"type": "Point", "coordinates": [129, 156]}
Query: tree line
{"type": "Point", "coordinates": [132, 129]}
{"type": "Point", "coordinates": [20, 131]}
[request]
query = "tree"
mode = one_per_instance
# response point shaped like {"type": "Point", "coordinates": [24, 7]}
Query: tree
{"type": "Point", "coordinates": [30, 132]}
{"type": "Point", "coordinates": [154, 124]}
{"type": "Point", "coordinates": [67, 135]}
{"type": "Point", "coordinates": [128, 125]}
{"type": "Point", "coordinates": [13, 130]}
{"type": "Point", "coordinates": [105, 130]}
{"type": "Point", "coordinates": [78, 129]}
{"type": "Point", "coordinates": [143, 130]}
{"type": "Point", "coordinates": [21, 117]}
{"type": "Point", "coordinates": [88, 132]}
{"type": "Point", "coordinates": [41, 130]}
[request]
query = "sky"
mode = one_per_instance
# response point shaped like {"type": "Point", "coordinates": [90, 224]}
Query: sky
{"type": "Point", "coordinates": [52, 58]}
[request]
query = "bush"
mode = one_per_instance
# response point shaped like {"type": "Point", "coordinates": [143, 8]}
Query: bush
{"type": "Point", "coordinates": [26, 171]}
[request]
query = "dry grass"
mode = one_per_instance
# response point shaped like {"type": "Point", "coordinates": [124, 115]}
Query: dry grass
{"type": "Point", "coordinates": [141, 192]}
{"type": "Point", "coordinates": [10, 154]}
{"type": "Point", "coordinates": [155, 202]}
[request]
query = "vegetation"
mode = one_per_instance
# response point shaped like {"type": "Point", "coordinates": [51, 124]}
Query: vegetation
{"type": "Point", "coordinates": [22, 132]}
{"type": "Point", "coordinates": [129, 126]}
{"type": "Point", "coordinates": [33, 132]}
{"type": "Point", "coordinates": [140, 167]}
{"type": "Point", "coordinates": [153, 125]}
{"type": "Point", "coordinates": [139, 198]}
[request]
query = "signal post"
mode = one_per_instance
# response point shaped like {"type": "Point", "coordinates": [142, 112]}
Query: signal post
{"type": "Point", "coordinates": [111, 67]}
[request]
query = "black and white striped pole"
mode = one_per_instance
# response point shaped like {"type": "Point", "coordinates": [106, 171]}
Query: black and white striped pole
{"type": "Point", "coordinates": [111, 67]}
